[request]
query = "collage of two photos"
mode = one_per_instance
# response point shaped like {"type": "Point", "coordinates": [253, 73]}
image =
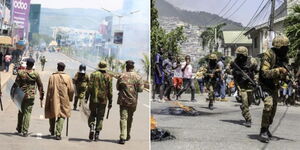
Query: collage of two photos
{"type": "Point", "coordinates": [149, 74]}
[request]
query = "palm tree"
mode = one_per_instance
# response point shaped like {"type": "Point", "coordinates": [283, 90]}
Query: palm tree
{"type": "Point", "coordinates": [146, 64]}
{"type": "Point", "coordinates": [292, 24]}
{"type": "Point", "coordinates": [208, 36]}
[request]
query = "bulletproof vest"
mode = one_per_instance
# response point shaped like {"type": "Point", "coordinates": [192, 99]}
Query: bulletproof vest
{"type": "Point", "coordinates": [246, 67]}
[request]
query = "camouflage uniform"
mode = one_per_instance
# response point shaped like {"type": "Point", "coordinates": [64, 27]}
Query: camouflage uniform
{"type": "Point", "coordinates": [27, 80]}
{"type": "Point", "coordinates": [211, 73]}
{"type": "Point", "coordinates": [249, 66]}
{"type": "Point", "coordinates": [43, 61]}
{"type": "Point", "coordinates": [128, 85]}
{"type": "Point", "coordinates": [269, 77]}
{"type": "Point", "coordinates": [98, 93]}
{"type": "Point", "coordinates": [81, 83]}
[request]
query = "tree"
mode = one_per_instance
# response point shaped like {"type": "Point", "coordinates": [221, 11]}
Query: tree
{"type": "Point", "coordinates": [208, 36]}
{"type": "Point", "coordinates": [146, 64]}
{"type": "Point", "coordinates": [292, 24]}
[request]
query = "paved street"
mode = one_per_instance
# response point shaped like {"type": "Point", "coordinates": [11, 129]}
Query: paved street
{"type": "Point", "coordinates": [222, 127]}
{"type": "Point", "coordinates": [78, 129]}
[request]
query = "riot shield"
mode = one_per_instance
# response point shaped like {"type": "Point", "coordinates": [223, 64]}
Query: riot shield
{"type": "Point", "coordinates": [17, 95]}
{"type": "Point", "coordinates": [84, 111]}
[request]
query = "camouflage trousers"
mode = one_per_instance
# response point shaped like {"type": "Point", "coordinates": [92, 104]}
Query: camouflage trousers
{"type": "Point", "coordinates": [126, 118]}
{"type": "Point", "coordinates": [245, 94]}
{"type": "Point", "coordinates": [96, 116]}
{"type": "Point", "coordinates": [269, 111]}
{"type": "Point", "coordinates": [210, 86]}
{"type": "Point", "coordinates": [56, 125]}
{"type": "Point", "coordinates": [79, 98]}
{"type": "Point", "coordinates": [24, 115]}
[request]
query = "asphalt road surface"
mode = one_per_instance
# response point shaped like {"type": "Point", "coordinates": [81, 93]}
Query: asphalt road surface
{"type": "Point", "coordinates": [39, 138]}
{"type": "Point", "coordinates": [222, 128]}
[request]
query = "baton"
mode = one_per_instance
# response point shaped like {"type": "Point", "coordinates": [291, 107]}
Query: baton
{"type": "Point", "coordinates": [1, 104]}
{"type": "Point", "coordinates": [107, 113]}
{"type": "Point", "coordinates": [67, 128]}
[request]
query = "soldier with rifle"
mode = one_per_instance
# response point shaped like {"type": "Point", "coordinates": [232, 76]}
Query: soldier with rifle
{"type": "Point", "coordinates": [243, 71]}
{"type": "Point", "coordinates": [99, 92]}
{"type": "Point", "coordinates": [271, 72]}
{"type": "Point", "coordinates": [80, 80]}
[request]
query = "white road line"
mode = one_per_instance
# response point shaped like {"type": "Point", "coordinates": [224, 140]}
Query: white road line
{"type": "Point", "coordinates": [39, 136]}
{"type": "Point", "coordinates": [146, 105]}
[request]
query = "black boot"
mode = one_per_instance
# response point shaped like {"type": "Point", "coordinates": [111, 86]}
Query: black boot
{"type": "Point", "coordinates": [248, 123]}
{"type": "Point", "coordinates": [121, 141]}
{"type": "Point", "coordinates": [92, 132]}
{"type": "Point", "coordinates": [58, 137]}
{"type": "Point", "coordinates": [263, 136]}
{"type": "Point", "coordinates": [269, 133]}
{"type": "Point", "coordinates": [128, 138]}
{"type": "Point", "coordinates": [97, 135]}
{"type": "Point", "coordinates": [210, 105]}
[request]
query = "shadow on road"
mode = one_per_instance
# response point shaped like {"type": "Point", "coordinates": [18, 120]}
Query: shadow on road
{"type": "Point", "coordinates": [44, 136]}
{"type": "Point", "coordinates": [79, 140]}
{"type": "Point", "coordinates": [9, 134]}
{"type": "Point", "coordinates": [109, 140]}
{"type": "Point", "coordinates": [238, 122]}
{"type": "Point", "coordinates": [274, 138]}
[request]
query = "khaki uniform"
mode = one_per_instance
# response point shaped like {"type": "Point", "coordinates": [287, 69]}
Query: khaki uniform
{"type": "Point", "coordinates": [98, 93]}
{"type": "Point", "coordinates": [128, 85]}
{"type": "Point", "coordinates": [59, 94]}
{"type": "Point", "coordinates": [81, 83]}
{"type": "Point", "coordinates": [27, 81]}
{"type": "Point", "coordinates": [243, 84]}
{"type": "Point", "coordinates": [211, 82]}
{"type": "Point", "coordinates": [43, 61]}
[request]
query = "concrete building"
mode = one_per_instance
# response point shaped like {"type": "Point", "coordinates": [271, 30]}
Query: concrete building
{"type": "Point", "coordinates": [234, 39]}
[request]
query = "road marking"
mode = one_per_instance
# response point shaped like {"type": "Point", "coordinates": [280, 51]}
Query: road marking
{"type": "Point", "coordinates": [146, 105]}
{"type": "Point", "coordinates": [39, 136]}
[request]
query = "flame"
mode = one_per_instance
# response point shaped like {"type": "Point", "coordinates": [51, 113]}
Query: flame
{"type": "Point", "coordinates": [153, 123]}
{"type": "Point", "coordinates": [185, 108]}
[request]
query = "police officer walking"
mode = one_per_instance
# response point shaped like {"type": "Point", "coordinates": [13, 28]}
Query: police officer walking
{"type": "Point", "coordinates": [27, 80]}
{"type": "Point", "coordinates": [80, 80]}
{"type": "Point", "coordinates": [98, 93]}
{"type": "Point", "coordinates": [271, 71]}
{"type": "Point", "coordinates": [129, 84]}
{"type": "Point", "coordinates": [244, 64]}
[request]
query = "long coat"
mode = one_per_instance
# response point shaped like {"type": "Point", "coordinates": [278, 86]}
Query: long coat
{"type": "Point", "coordinates": [59, 94]}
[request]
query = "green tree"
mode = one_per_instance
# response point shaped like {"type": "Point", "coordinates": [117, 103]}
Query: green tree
{"type": "Point", "coordinates": [208, 36]}
{"type": "Point", "coordinates": [292, 24]}
{"type": "Point", "coordinates": [146, 64]}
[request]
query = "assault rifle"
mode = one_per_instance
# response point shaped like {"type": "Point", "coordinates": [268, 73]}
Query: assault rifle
{"type": "Point", "coordinates": [258, 92]}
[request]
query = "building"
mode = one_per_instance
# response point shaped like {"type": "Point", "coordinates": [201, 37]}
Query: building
{"type": "Point", "coordinates": [234, 39]}
{"type": "Point", "coordinates": [260, 34]}
{"type": "Point", "coordinates": [34, 18]}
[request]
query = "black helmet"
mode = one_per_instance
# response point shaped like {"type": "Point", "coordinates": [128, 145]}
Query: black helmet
{"type": "Point", "coordinates": [82, 68]}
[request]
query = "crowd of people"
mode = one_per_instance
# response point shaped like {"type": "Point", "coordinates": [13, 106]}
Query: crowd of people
{"type": "Point", "coordinates": [270, 78]}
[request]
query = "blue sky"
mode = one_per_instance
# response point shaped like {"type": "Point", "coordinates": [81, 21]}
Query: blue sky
{"type": "Point", "coordinates": [214, 6]}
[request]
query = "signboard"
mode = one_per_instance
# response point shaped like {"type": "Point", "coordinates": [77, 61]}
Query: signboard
{"type": "Point", "coordinates": [21, 10]}
{"type": "Point", "coordinates": [118, 37]}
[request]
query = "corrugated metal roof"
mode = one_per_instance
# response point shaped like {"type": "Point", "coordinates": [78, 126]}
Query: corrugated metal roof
{"type": "Point", "coordinates": [230, 37]}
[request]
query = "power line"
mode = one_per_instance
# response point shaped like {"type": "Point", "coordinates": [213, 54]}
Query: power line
{"type": "Point", "coordinates": [240, 6]}
{"type": "Point", "coordinates": [219, 12]}
{"type": "Point", "coordinates": [254, 17]}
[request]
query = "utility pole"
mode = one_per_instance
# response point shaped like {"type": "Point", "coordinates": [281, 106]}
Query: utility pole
{"type": "Point", "coordinates": [271, 26]}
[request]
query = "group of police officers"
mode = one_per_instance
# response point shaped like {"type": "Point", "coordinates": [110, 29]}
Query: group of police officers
{"type": "Point", "coordinates": [245, 70]}
{"type": "Point", "coordinates": [96, 89]}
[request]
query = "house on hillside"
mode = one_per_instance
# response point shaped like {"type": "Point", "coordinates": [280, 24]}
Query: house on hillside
{"type": "Point", "coordinates": [234, 39]}
{"type": "Point", "coordinates": [260, 33]}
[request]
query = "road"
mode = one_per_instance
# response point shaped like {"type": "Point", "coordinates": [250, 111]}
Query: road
{"type": "Point", "coordinates": [222, 128]}
{"type": "Point", "coordinates": [39, 138]}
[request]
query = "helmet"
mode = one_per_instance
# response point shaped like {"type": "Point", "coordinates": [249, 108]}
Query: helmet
{"type": "Point", "coordinates": [280, 41]}
{"type": "Point", "coordinates": [242, 50]}
{"type": "Point", "coordinates": [213, 57]}
{"type": "Point", "coordinates": [82, 68]}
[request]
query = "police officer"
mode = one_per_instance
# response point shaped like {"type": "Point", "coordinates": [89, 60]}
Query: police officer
{"type": "Point", "coordinates": [129, 84]}
{"type": "Point", "coordinates": [248, 65]}
{"type": "Point", "coordinates": [80, 80]}
{"type": "Point", "coordinates": [212, 72]}
{"type": "Point", "coordinates": [99, 93]}
{"type": "Point", "coordinates": [270, 74]}
{"type": "Point", "coordinates": [43, 61]}
{"type": "Point", "coordinates": [27, 80]}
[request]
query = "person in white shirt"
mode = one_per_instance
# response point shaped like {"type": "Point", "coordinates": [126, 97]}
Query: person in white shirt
{"type": "Point", "coordinates": [187, 78]}
{"type": "Point", "coordinates": [177, 78]}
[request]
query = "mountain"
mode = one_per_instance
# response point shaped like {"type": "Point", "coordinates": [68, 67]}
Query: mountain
{"type": "Point", "coordinates": [200, 18]}
{"type": "Point", "coordinates": [70, 17]}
